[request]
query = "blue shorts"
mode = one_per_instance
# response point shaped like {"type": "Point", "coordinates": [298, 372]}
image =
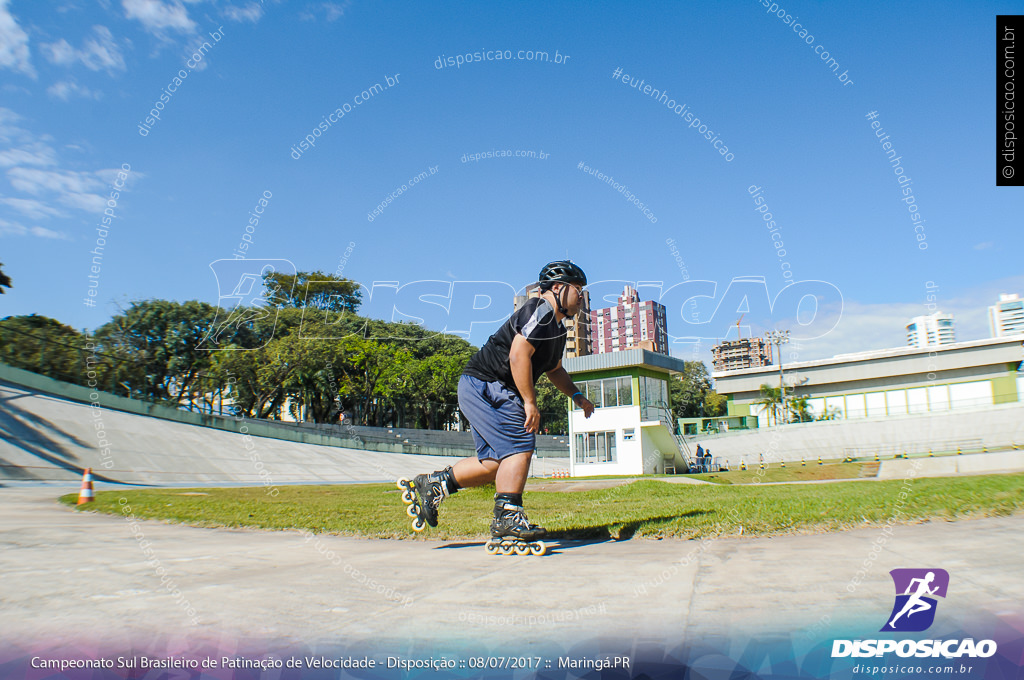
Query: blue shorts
{"type": "Point", "coordinates": [497, 418]}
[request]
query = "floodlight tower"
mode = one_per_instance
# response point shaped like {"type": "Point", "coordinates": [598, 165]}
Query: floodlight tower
{"type": "Point", "coordinates": [779, 338]}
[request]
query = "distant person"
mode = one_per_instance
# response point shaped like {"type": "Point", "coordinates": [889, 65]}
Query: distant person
{"type": "Point", "coordinates": [497, 396]}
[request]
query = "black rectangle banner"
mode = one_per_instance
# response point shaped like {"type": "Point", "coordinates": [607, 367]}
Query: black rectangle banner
{"type": "Point", "coordinates": [1009, 153]}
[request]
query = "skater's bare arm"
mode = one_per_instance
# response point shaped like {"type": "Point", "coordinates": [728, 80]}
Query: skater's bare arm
{"type": "Point", "coordinates": [560, 379]}
{"type": "Point", "coordinates": [522, 373]}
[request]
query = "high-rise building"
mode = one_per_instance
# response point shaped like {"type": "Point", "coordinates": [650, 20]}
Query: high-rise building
{"type": "Point", "coordinates": [933, 329]}
{"type": "Point", "coordinates": [733, 355]}
{"type": "Point", "coordinates": [577, 341]}
{"type": "Point", "coordinates": [1006, 317]}
{"type": "Point", "coordinates": [631, 323]}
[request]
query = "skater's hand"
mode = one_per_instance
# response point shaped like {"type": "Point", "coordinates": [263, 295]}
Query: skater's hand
{"type": "Point", "coordinates": [532, 422]}
{"type": "Point", "coordinates": [587, 406]}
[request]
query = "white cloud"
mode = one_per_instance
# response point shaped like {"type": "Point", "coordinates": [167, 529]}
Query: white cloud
{"type": "Point", "coordinates": [110, 175]}
{"type": "Point", "coordinates": [34, 153]}
{"type": "Point", "coordinates": [33, 169]}
{"type": "Point", "coordinates": [9, 127]}
{"type": "Point", "coordinates": [88, 202]}
{"type": "Point", "coordinates": [251, 12]}
{"type": "Point", "coordinates": [98, 52]}
{"type": "Point", "coordinates": [101, 52]}
{"type": "Point", "coordinates": [331, 11]}
{"type": "Point", "coordinates": [985, 245]}
{"type": "Point", "coordinates": [864, 327]}
{"type": "Point", "coordinates": [11, 228]}
{"type": "Point", "coordinates": [191, 51]}
{"type": "Point", "coordinates": [17, 229]}
{"type": "Point", "coordinates": [48, 233]}
{"type": "Point", "coordinates": [36, 210]}
{"type": "Point", "coordinates": [14, 52]}
{"type": "Point", "coordinates": [35, 182]}
{"type": "Point", "coordinates": [157, 17]}
{"type": "Point", "coordinates": [60, 52]}
{"type": "Point", "coordinates": [66, 89]}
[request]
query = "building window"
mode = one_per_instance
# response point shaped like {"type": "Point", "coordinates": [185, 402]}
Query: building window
{"type": "Point", "coordinates": [896, 402]}
{"type": "Point", "coordinates": [595, 447]}
{"type": "Point", "coordinates": [654, 400]}
{"type": "Point", "coordinates": [607, 392]}
{"type": "Point", "coordinates": [875, 404]}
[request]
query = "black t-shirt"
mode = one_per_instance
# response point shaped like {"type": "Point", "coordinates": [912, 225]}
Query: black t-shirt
{"type": "Point", "coordinates": [536, 322]}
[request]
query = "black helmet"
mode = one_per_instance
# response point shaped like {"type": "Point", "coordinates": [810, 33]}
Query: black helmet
{"type": "Point", "coordinates": [561, 271]}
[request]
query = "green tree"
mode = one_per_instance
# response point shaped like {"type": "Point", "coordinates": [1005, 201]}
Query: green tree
{"type": "Point", "coordinates": [771, 399]}
{"type": "Point", "coordinates": [553, 407]}
{"type": "Point", "coordinates": [691, 394]}
{"type": "Point", "coordinates": [432, 396]}
{"type": "Point", "coordinates": [160, 340]}
{"type": "Point", "coordinates": [800, 409]}
{"type": "Point", "coordinates": [44, 345]}
{"type": "Point", "coordinates": [832, 413]}
{"type": "Point", "coordinates": [312, 289]}
{"type": "Point", "coordinates": [715, 404]}
{"type": "Point", "coordinates": [5, 281]}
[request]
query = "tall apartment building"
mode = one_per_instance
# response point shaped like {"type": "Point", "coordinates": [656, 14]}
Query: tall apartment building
{"type": "Point", "coordinates": [733, 355]}
{"type": "Point", "coordinates": [933, 329]}
{"type": "Point", "coordinates": [577, 342]}
{"type": "Point", "coordinates": [1006, 317]}
{"type": "Point", "coordinates": [631, 323]}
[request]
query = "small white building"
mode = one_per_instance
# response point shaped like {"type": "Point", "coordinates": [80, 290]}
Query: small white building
{"type": "Point", "coordinates": [631, 429]}
{"type": "Point", "coordinates": [1007, 316]}
{"type": "Point", "coordinates": [931, 330]}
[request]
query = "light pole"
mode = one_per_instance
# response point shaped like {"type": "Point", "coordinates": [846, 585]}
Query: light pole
{"type": "Point", "coordinates": [779, 338]}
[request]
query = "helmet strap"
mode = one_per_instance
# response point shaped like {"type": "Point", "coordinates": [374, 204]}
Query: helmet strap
{"type": "Point", "coordinates": [558, 299]}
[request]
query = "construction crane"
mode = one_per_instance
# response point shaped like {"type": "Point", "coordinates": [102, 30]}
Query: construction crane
{"type": "Point", "coordinates": [739, 336]}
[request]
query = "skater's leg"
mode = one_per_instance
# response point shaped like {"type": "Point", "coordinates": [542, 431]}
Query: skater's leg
{"type": "Point", "coordinates": [512, 473]}
{"type": "Point", "coordinates": [472, 471]}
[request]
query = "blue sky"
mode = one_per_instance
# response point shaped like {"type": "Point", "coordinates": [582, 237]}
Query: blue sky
{"type": "Point", "coordinates": [78, 78]}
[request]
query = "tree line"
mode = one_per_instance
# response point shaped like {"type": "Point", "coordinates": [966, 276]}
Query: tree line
{"type": "Point", "coordinates": [304, 351]}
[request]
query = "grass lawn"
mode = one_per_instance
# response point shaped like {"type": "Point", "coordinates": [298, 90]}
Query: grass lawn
{"type": "Point", "coordinates": [646, 508]}
{"type": "Point", "coordinates": [791, 473]}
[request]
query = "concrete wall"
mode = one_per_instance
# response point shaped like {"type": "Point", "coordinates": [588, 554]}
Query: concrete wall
{"type": "Point", "coordinates": [394, 440]}
{"type": "Point", "coordinates": [993, 427]}
{"type": "Point", "coordinates": [974, 464]}
{"type": "Point", "coordinates": [46, 438]}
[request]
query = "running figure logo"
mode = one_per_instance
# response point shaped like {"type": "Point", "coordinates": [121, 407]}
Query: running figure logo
{"type": "Point", "coordinates": [244, 297]}
{"type": "Point", "coordinates": [914, 610]}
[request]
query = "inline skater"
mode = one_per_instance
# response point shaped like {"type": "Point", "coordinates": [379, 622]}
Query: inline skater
{"type": "Point", "coordinates": [496, 395]}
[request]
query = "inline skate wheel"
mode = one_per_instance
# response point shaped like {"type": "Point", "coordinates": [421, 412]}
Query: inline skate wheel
{"type": "Point", "coordinates": [522, 549]}
{"type": "Point", "coordinates": [412, 510]}
{"type": "Point", "coordinates": [408, 496]}
{"type": "Point", "coordinates": [507, 548]}
{"type": "Point", "coordinates": [418, 524]}
{"type": "Point", "coordinates": [402, 483]}
{"type": "Point", "coordinates": [538, 548]}
{"type": "Point", "coordinates": [491, 548]}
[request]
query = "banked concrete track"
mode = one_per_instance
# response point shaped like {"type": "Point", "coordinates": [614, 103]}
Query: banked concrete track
{"type": "Point", "coordinates": [48, 438]}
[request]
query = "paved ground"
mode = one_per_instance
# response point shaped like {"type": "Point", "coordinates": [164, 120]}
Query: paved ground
{"type": "Point", "coordinates": [85, 577]}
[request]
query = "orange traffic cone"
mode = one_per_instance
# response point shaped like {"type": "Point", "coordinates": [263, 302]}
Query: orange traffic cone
{"type": "Point", "coordinates": [86, 494]}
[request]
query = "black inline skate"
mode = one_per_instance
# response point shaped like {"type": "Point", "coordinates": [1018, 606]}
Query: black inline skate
{"type": "Point", "coordinates": [511, 531]}
{"type": "Point", "coordinates": [423, 496]}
